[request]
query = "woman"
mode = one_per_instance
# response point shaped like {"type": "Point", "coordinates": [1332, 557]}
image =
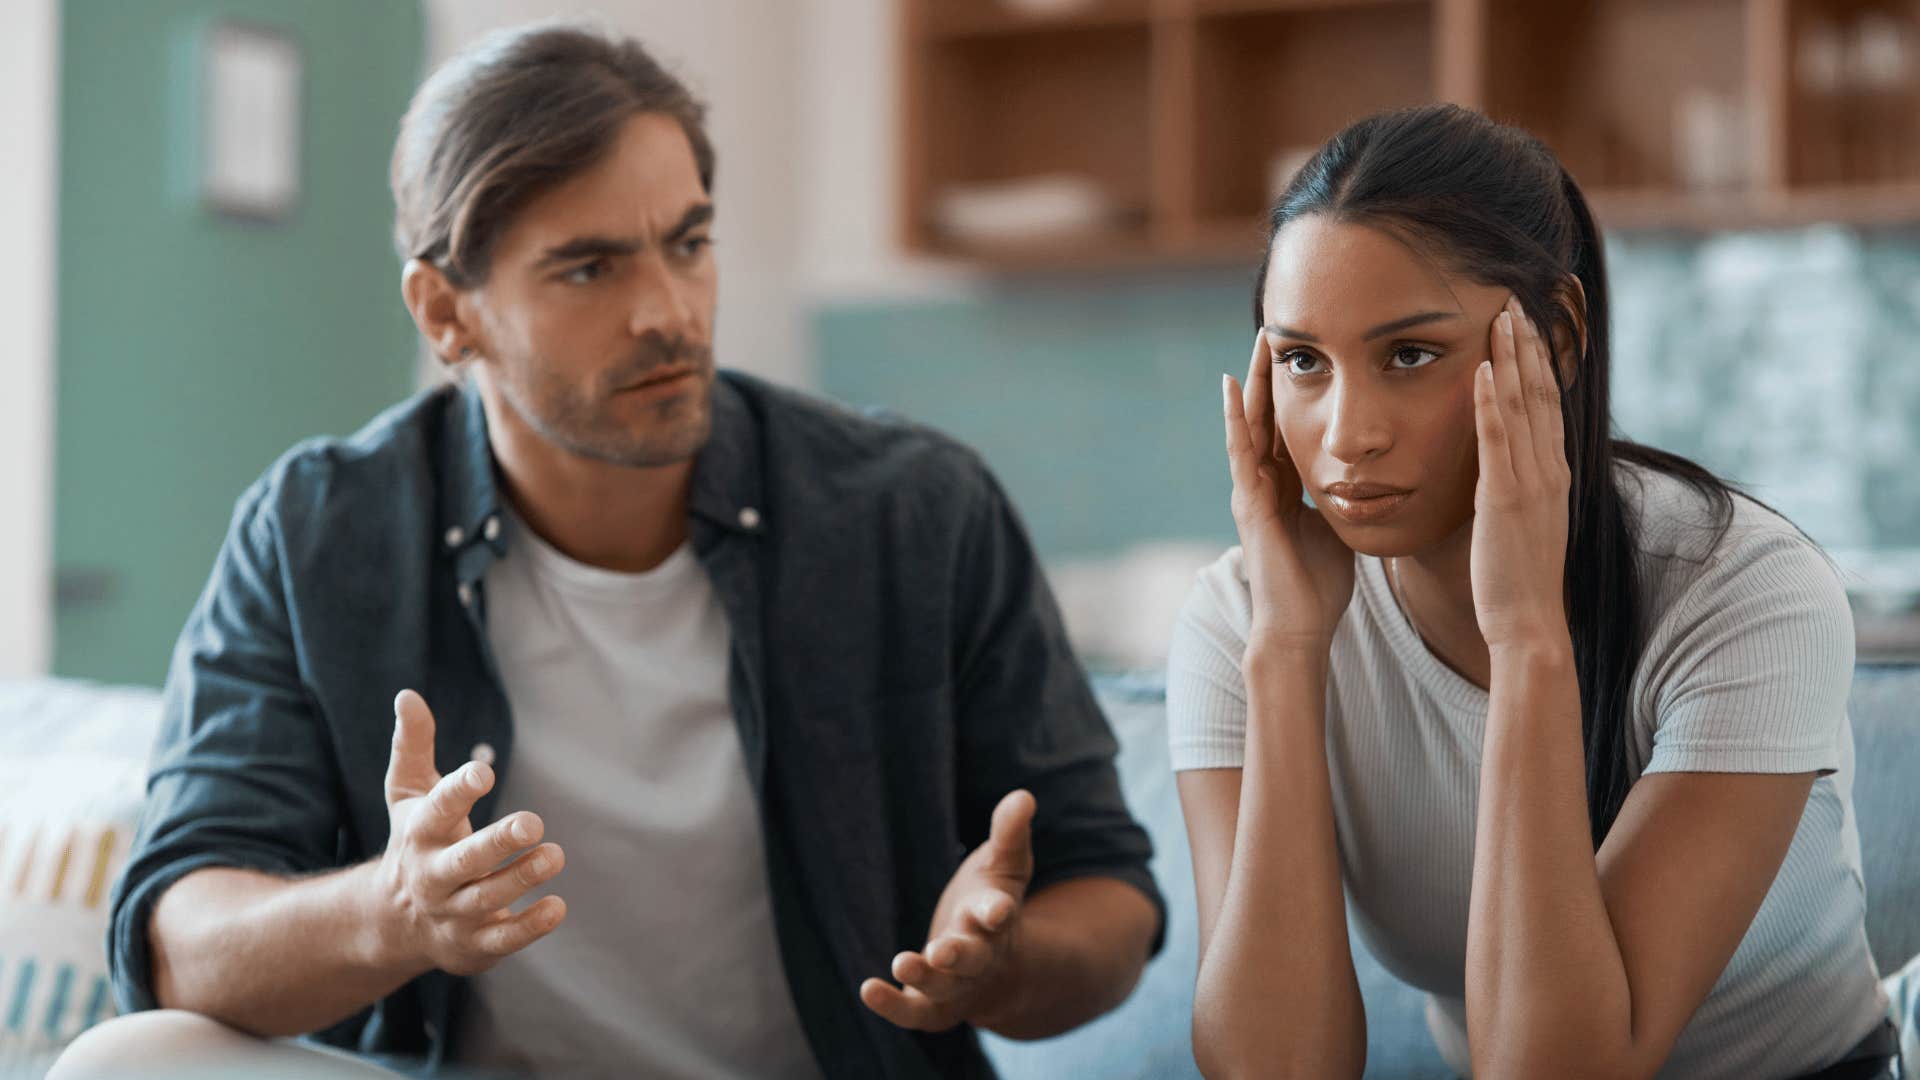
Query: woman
{"type": "Point", "coordinates": [1561, 717]}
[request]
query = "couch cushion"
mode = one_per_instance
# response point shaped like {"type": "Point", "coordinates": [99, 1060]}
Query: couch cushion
{"type": "Point", "coordinates": [1885, 710]}
{"type": "Point", "coordinates": [72, 777]}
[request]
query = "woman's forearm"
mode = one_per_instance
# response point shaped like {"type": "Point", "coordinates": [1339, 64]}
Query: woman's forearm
{"type": "Point", "coordinates": [1546, 988]}
{"type": "Point", "coordinates": [1277, 994]}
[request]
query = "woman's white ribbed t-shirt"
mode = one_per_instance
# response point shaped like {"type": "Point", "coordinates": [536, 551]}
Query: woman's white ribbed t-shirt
{"type": "Point", "coordinates": [1747, 664]}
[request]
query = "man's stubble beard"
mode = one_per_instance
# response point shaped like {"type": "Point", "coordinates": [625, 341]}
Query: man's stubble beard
{"type": "Point", "coordinates": [582, 422]}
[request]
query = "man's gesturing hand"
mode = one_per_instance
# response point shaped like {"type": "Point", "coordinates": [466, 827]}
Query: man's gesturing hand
{"type": "Point", "coordinates": [444, 891]}
{"type": "Point", "coordinates": [964, 972]}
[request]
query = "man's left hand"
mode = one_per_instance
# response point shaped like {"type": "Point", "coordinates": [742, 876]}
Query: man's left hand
{"type": "Point", "coordinates": [962, 975]}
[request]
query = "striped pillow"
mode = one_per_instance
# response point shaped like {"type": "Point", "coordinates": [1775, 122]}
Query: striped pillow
{"type": "Point", "coordinates": [72, 778]}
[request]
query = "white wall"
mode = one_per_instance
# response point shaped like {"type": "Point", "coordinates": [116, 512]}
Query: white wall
{"type": "Point", "coordinates": [29, 53]}
{"type": "Point", "coordinates": [849, 195]}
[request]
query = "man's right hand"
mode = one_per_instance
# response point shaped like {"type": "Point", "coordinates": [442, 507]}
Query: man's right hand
{"type": "Point", "coordinates": [445, 890]}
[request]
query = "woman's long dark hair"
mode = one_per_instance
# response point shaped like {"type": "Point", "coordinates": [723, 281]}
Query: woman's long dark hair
{"type": "Point", "coordinates": [1495, 204]}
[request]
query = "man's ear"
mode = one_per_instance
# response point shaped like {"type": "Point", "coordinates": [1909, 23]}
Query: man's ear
{"type": "Point", "coordinates": [1570, 333]}
{"type": "Point", "coordinates": [434, 304]}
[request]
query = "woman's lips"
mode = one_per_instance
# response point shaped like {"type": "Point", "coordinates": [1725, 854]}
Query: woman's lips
{"type": "Point", "coordinates": [1367, 509]}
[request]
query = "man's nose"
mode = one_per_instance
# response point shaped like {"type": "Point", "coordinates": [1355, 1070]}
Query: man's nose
{"type": "Point", "coordinates": [661, 301]}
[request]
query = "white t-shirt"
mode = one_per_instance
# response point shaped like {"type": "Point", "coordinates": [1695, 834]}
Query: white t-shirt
{"type": "Point", "coordinates": [1746, 669]}
{"type": "Point", "coordinates": [625, 744]}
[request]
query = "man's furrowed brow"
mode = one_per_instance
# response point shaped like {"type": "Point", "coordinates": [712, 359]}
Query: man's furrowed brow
{"type": "Point", "coordinates": [593, 247]}
{"type": "Point", "coordinates": [697, 215]}
{"type": "Point", "coordinates": [590, 247]}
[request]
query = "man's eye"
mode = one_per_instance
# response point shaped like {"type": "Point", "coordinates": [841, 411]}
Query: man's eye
{"type": "Point", "coordinates": [694, 245]}
{"type": "Point", "coordinates": [1408, 357]}
{"type": "Point", "coordinates": [586, 273]}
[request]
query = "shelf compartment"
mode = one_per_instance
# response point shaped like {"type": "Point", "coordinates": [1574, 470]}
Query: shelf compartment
{"type": "Point", "coordinates": [1632, 94]}
{"type": "Point", "coordinates": [1067, 103]}
{"type": "Point", "coordinates": [1853, 92]}
{"type": "Point", "coordinates": [1275, 84]}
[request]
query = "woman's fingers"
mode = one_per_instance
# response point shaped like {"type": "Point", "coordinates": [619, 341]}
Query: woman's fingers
{"type": "Point", "coordinates": [1267, 440]}
{"type": "Point", "coordinates": [1255, 451]}
{"type": "Point", "coordinates": [1510, 392]}
{"type": "Point", "coordinates": [1239, 447]}
{"type": "Point", "coordinates": [1496, 460]}
{"type": "Point", "coordinates": [1549, 427]}
{"type": "Point", "coordinates": [1258, 399]}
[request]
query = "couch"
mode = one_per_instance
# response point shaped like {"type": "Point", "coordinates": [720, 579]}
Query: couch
{"type": "Point", "coordinates": [72, 773]}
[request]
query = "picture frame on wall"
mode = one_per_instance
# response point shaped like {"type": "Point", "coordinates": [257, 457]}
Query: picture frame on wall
{"type": "Point", "coordinates": [251, 104]}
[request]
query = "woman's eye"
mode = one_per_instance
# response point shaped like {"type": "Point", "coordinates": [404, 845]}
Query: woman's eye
{"type": "Point", "coordinates": [1408, 357]}
{"type": "Point", "coordinates": [1299, 363]}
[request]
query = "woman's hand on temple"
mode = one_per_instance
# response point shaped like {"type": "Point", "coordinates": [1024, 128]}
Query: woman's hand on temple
{"type": "Point", "coordinates": [1520, 504]}
{"type": "Point", "coordinates": [1300, 573]}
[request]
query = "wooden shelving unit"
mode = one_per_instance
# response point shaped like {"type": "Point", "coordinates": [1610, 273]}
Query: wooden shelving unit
{"type": "Point", "coordinates": [971, 19]}
{"type": "Point", "coordinates": [1185, 114]}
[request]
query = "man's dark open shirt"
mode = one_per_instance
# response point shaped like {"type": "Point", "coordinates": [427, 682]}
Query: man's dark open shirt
{"type": "Point", "coordinates": [897, 665]}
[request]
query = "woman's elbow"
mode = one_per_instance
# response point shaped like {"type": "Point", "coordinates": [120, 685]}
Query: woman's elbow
{"type": "Point", "coordinates": [1217, 1059]}
{"type": "Point", "coordinates": [1224, 1051]}
{"type": "Point", "coordinates": [1524, 1062]}
{"type": "Point", "coordinates": [1220, 1046]}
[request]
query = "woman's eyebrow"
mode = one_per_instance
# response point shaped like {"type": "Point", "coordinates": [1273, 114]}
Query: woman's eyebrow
{"type": "Point", "coordinates": [1379, 331]}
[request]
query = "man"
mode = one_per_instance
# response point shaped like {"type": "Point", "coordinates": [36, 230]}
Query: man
{"type": "Point", "coordinates": [736, 734]}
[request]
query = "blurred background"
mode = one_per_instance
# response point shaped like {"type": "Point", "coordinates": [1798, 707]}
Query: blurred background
{"type": "Point", "coordinates": [1030, 222]}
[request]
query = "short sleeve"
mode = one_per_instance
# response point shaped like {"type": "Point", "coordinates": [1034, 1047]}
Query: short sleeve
{"type": "Point", "coordinates": [1754, 669]}
{"type": "Point", "coordinates": [1206, 692]}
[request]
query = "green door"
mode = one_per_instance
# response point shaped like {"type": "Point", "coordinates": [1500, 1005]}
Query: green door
{"type": "Point", "coordinates": [194, 347]}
